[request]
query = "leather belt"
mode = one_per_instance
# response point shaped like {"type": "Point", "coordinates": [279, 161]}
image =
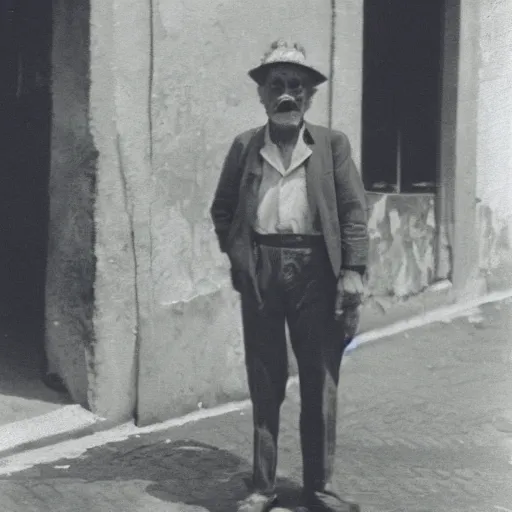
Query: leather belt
{"type": "Point", "coordinates": [290, 241]}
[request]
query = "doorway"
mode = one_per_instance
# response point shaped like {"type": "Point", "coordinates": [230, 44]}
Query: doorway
{"type": "Point", "coordinates": [402, 69]}
{"type": "Point", "coordinates": [25, 125]}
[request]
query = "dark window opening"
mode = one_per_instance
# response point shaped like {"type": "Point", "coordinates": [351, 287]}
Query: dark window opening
{"type": "Point", "coordinates": [401, 94]}
{"type": "Point", "coordinates": [25, 127]}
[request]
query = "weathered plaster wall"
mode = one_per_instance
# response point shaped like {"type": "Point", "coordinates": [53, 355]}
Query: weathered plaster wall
{"type": "Point", "coordinates": [456, 256]}
{"type": "Point", "coordinates": [141, 316]}
{"type": "Point", "coordinates": [70, 266]}
{"type": "Point", "coordinates": [402, 232]}
{"type": "Point", "coordinates": [494, 180]}
{"type": "Point", "coordinates": [164, 106]}
{"type": "Point", "coordinates": [202, 97]}
{"type": "Point", "coordinates": [99, 199]}
{"type": "Point", "coordinates": [348, 72]}
{"type": "Point", "coordinates": [120, 71]}
{"type": "Point", "coordinates": [167, 321]}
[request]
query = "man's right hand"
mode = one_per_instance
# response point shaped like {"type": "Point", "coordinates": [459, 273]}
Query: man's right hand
{"type": "Point", "coordinates": [349, 293]}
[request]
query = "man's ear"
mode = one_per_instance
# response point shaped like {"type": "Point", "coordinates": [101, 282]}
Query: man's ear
{"type": "Point", "coordinates": [261, 94]}
{"type": "Point", "coordinates": [311, 91]}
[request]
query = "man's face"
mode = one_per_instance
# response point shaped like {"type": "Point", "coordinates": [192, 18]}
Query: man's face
{"type": "Point", "coordinates": [286, 95]}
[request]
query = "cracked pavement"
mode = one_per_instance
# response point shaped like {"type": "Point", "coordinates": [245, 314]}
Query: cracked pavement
{"type": "Point", "coordinates": [425, 424]}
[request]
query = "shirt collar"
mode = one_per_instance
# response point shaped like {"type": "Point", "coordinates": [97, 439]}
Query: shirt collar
{"type": "Point", "coordinates": [270, 152]}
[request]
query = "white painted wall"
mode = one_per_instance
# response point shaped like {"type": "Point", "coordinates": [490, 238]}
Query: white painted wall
{"type": "Point", "coordinates": [494, 150]}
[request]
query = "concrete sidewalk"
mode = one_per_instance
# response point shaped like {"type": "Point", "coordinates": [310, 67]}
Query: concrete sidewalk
{"type": "Point", "coordinates": [22, 394]}
{"type": "Point", "coordinates": [425, 426]}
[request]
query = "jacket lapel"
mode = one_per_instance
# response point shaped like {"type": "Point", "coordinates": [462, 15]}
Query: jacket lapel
{"type": "Point", "coordinates": [319, 176]}
{"type": "Point", "coordinates": [252, 164]}
{"type": "Point", "coordinates": [322, 191]}
{"type": "Point", "coordinates": [245, 219]}
{"type": "Point", "coordinates": [253, 172]}
{"type": "Point", "coordinates": [321, 194]}
{"type": "Point", "coordinates": [319, 173]}
{"type": "Point", "coordinates": [313, 170]}
{"type": "Point", "coordinates": [318, 168]}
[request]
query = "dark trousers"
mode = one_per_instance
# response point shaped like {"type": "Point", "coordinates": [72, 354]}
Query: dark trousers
{"type": "Point", "coordinates": [298, 287]}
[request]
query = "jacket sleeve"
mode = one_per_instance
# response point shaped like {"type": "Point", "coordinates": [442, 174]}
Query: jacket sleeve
{"type": "Point", "coordinates": [352, 206]}
{"type": "Point", "coordinates": [225, 200]}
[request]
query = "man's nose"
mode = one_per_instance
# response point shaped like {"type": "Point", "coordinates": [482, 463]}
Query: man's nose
{"type": "Point", "coordinates": [292, 89]}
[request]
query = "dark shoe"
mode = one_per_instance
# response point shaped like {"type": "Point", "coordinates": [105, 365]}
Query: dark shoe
{"type": "Point", "coordinates": [257, 502]}
{"type": "Point", "coordinates": [326, 501]}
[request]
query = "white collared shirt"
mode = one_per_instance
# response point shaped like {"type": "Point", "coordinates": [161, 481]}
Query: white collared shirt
{"type": "Point", "coordinates": [283, 199]}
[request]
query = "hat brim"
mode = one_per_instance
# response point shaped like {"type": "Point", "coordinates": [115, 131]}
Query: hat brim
{"type": "Point", "coordinates": [260, 73]}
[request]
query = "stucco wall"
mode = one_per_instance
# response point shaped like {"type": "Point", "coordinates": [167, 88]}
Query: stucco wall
{"type": "Point", "coordinates": [140, 313]}
{"type": "Point", "coordinates": [97, 186]}
{"type": "Point", "coordinates": [120, 102]}
{"type": "Point", "coordinates": [164, 105]}
{"type": "Point", "coordinates": [347, 73]}
{"type": "Point", "coordinates": [494, 179]}
{"type": "Point", "coordinates": [70, 266]}
{"type": "Point", "coordinates": [202, 97]}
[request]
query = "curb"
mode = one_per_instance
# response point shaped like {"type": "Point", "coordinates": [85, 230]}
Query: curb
{"type": "Point", "coordinates": [445, 313]}
{"type": "Point", "coordinates": [65, 422]}
{"type": "Point", "coordinates": [73, 430]}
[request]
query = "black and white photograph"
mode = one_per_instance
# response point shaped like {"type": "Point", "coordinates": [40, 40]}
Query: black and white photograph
{"type": "Point", "coordinates": [256, 256]}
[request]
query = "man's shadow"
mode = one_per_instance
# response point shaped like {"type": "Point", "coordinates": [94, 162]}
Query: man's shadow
{"type": "Point", "coordinates": [185, 472]}
{"type": "Point", "coordinates": [212, 478]}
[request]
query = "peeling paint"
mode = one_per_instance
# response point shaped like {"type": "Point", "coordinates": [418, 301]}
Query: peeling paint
{"type": "Point", "coordinates": [402, 240]}
{"type": "Point", "coordinates": [492, 233]}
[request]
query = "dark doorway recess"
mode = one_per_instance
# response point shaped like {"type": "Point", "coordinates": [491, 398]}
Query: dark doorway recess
{"type": "Point", "coordinates": [25, 126]}
{"type": "Point", "coordinates": [401, 94]}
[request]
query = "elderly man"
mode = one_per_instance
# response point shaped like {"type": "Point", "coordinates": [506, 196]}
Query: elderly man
{"type": "Point", "coordinates": [290, 213]}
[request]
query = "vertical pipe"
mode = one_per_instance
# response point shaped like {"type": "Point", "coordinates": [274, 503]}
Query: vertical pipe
{"type": "Point", "coordinates": [151, 77]}
{"type": "Point", "coordinates": [332, 62]}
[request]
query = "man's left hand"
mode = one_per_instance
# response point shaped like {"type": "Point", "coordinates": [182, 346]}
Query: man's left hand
{"type": "Point", "coordinates": [350, 291]}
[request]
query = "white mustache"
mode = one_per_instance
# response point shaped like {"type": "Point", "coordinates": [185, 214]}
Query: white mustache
{"type": "Point", "coordinates": [286, 98]}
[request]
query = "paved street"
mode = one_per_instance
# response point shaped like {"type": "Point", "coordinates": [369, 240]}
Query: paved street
{"type": "Point", "coordinates": [425, 426]}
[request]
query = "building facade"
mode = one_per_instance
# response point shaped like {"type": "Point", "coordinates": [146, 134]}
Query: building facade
{"type": "Point", "coordinates": [147, 97]}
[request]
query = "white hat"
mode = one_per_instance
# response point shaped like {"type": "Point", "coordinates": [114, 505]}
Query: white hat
{"type": "Point", "coordinates": [282, 52]}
